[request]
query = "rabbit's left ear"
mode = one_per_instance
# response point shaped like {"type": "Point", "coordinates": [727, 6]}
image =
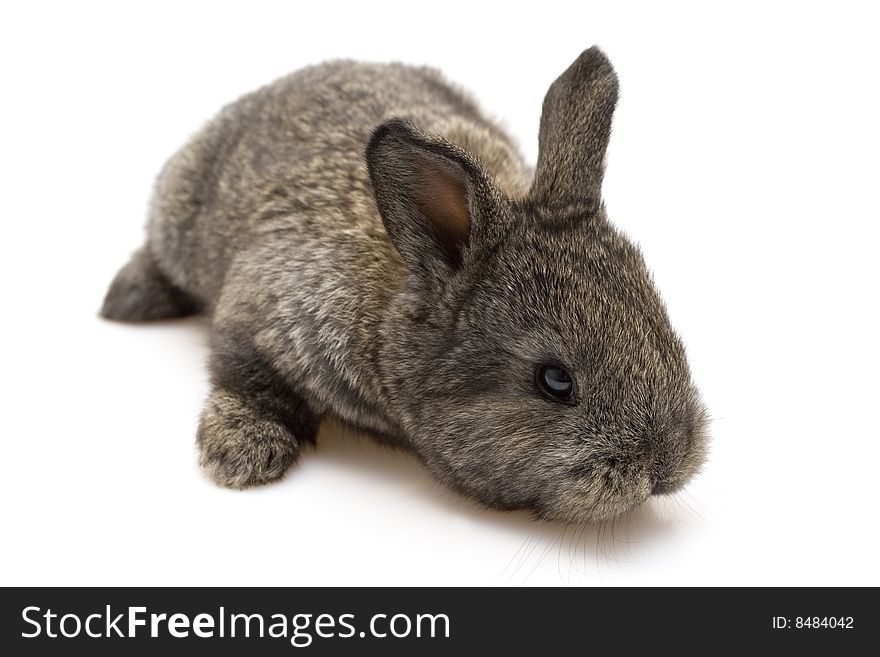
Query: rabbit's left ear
{"type": "Point", "coordinates": [574, 133]}
{"type": "Point", "coordinates": [436, 201]}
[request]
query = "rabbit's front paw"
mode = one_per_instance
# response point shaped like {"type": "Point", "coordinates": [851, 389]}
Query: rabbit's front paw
{"type": "Point", "coordinates": [241, 446]}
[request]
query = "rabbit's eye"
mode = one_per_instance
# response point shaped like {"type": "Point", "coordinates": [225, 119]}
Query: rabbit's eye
{"type": "Point", "coordinates": [554, 382]}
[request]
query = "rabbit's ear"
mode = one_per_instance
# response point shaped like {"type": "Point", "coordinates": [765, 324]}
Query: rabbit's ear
{"type": "Point", "coordinates": [575, 127]}
{"type": "Point", "coordinates": [435, 200]}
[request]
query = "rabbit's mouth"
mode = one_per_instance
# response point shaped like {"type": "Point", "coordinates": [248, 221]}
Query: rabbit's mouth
{"type": "Point", "coordinates": [600, 498]}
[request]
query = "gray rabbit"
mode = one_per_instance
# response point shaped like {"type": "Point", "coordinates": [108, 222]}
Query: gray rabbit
{"type": "Point", "coordinates": [367, 242]}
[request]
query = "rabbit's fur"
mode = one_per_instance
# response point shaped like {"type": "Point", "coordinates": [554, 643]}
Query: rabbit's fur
{"type": "Point", "coordinates": [368, 243]}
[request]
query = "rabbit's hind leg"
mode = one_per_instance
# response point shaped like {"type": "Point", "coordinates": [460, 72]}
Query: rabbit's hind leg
{"type": "Point", "coordinates": [141, 292]}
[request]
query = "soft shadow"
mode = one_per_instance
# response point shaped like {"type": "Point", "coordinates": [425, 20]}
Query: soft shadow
{"type": "Point", "coordinates": [199, 322]}
{"type": "Point", "coordinates": [581, 551]}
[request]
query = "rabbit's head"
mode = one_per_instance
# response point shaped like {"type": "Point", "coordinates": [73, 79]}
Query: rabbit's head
{"type": "Point", "coordinates": [528, 356]}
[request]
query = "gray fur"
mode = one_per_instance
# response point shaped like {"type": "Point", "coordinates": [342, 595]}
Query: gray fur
{"type": "Point", "coordinates": [414, 291]}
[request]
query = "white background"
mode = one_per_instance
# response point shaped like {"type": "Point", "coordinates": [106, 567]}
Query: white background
{"type": "Point", "coordinates": [744, 160]}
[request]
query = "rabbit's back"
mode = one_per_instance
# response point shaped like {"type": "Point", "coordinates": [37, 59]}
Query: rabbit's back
{"type": "Point", "coordinates": [288, 158]}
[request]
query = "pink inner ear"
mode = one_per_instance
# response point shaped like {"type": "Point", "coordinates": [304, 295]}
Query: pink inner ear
{"type": "Point", "coordinates": [441, 197]}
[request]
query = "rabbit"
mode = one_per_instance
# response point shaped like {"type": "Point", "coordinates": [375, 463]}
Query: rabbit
{"type": "Point", "coordinates": [367, 242]}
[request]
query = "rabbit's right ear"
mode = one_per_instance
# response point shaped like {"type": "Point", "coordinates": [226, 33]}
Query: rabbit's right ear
{"type": "Point", "coordinates": [437, 203]}
{"type": "Point", "coordinates": [575, 128]}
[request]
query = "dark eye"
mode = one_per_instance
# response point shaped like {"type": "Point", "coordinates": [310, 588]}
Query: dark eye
{"type": "Point", "coordinates": [555, 382]}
